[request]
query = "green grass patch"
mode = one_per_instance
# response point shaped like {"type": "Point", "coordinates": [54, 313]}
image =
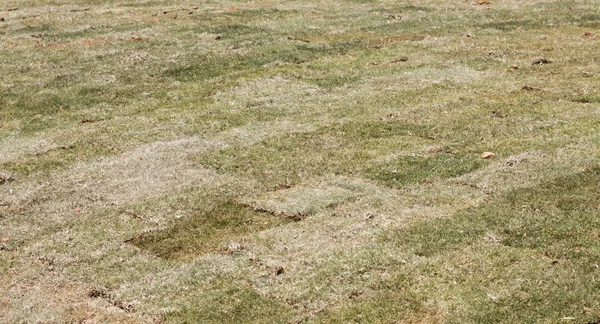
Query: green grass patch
{"type": "Point", "coordinates": [226, 301]}
{"type": "Point", "coordinates": [211, 231]}
{"type": "Point", "coordinates": [552, 229]}
{"type": "Point", "coordinates": [339, 149]}
{"type": "Point", "coordinates": [556, 212]}
{"type": "Point", "coordinates": [412, 169]}
{"type": "Point", "coordinates": [54, 159]}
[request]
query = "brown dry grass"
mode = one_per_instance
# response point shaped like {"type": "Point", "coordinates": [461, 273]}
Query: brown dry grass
{"type": "Point", "coordinates": [157, 152]}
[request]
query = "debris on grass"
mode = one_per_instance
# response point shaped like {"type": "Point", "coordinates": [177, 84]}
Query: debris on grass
{"type": "Point", "coordinates": [541, 61]}
{"type": "Point", "coordinates": [5, 177]}
{"type": "Point", "coordinates": [498, 114]}
{"type": "Point", "coordinates": [90, 120]}
{"type": "Point", "coordinates": [393, 17]}
{"type": "Point", "coordinates": [296, 38]}
{"type": "Point", "coordinates": [530, 88]}
{"type": "Point", "coordinates": [279, 271]}
{"type": "Point", "coordinates": [282, 186]}
{"type": "Point", "coordinates": [400, 59]}
{"type": "Point", "coordinates": [101, 292]}
{"type": "Point", "coordinates": [298, 216]}
{"type": "Point", "coordinates": [487, 155]}
{"type": "Point", "coordinates": [232, 248]}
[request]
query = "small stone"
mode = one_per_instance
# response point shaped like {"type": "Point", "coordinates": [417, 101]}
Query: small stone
{"type": "Point", "coordinates": [487, 155]}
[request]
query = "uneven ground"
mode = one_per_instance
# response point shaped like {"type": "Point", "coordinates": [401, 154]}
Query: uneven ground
{"type": "Point", "coordinates": [299, 161]}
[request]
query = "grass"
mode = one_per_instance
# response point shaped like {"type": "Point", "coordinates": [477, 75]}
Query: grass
{"type": "Point", "coordinates": [271, 161]}
{"type": "Point", "coordinates": [518, 250]}
{"type": "Point", "coordinates": [211, 231]}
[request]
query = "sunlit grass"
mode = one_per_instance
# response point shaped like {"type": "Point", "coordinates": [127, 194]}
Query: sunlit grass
{"type": "Point", "coordinates": [271, 161]}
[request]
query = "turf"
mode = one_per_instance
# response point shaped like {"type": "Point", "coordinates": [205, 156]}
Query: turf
{"type": "Point", "coordinates": [299, 161]}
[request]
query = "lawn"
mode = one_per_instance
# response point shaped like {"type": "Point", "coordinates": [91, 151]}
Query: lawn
{"type": "Point", "coordinates": [297, 161]}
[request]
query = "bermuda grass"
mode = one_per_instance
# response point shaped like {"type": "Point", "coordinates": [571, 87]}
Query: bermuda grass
{"type": "Point", "coordinates": [303, 161]}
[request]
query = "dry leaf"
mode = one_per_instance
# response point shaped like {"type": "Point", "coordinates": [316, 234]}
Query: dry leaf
{"type": "Point", "coordinates": [487, 155]}
{"type": "Point", "coordinates": [5, 239]}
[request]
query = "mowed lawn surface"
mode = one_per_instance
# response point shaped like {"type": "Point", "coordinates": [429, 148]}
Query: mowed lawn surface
{"type": "Point", "coordinates": [299, 161]}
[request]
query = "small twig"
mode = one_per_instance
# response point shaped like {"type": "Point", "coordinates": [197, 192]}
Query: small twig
{"type": "Point", "coordinates": [498, 114]}
{"type": "Point", "coordinates": [136, 216]}
{"type": "Point", "coordinates": [464, 183]}
{"type": "Point", "coordinates": [282, 186]}
{"type": "Point", "coordinates": [175, 10]}
{"type": "Point", "coordinates": [139, 236]}
{"type": "Point", "coordinates": [528, 88]}
{"type": "Point", "coordinates": [295, 217]}
{"type": "Point", "coordinates": [87, 120]}
{"type": "Point", "coordinates": [390, 16]}
{"type": "Point", "coordinates": [474, 186]}
{"type": "Point", "coordinates": [298, 39]}
{"type": "Point", "coordinates": [402, 59]}
{"type": "Point", "coordinates": [32, 16]}
{"type": "Point", "coordinates": [541, 61]}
